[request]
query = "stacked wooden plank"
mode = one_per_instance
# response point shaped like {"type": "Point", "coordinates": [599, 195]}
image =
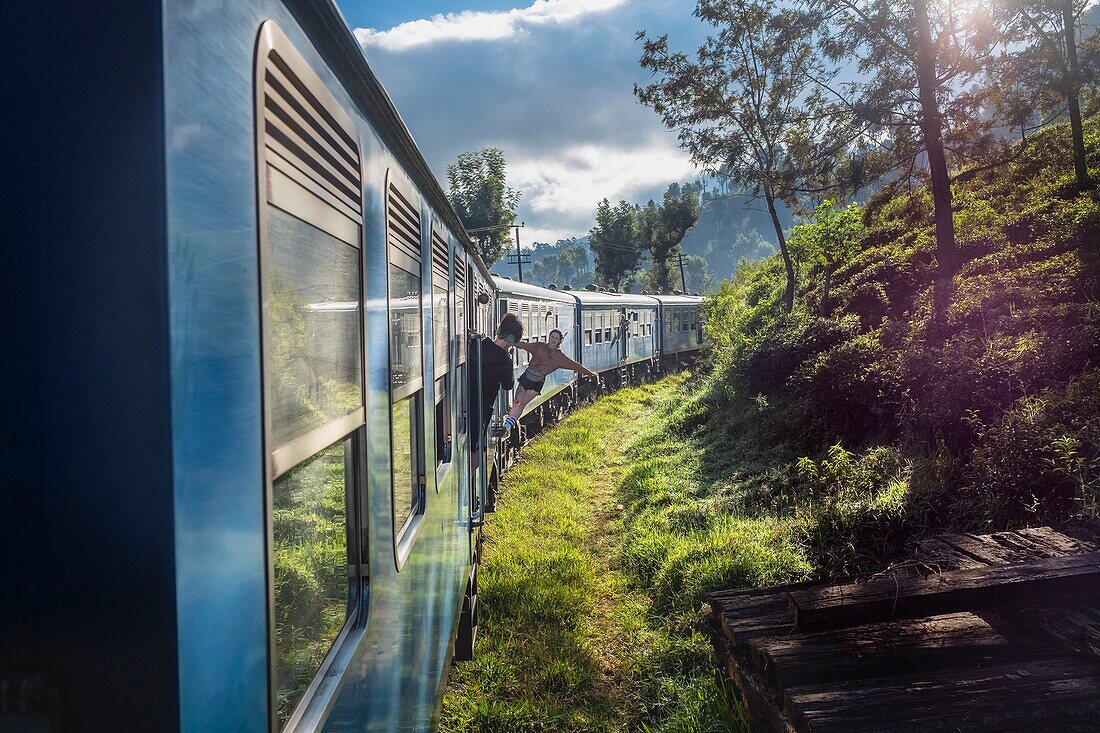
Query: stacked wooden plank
{"type": "Point", "coordinates": [975, 632]}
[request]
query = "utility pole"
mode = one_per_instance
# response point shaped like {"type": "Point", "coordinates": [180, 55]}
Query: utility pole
{"type": "Point", "coordinates": [518, 259]}
{"type": "Point", "coordinates": [683, 280]}
{"type": "Point", "coordinates": [519, 255]}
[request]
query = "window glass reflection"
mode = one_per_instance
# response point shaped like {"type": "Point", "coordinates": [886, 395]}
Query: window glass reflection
{"type": "Point", "coordinates": [405, 471]}
{"type": "Point", "coordinates": [313, 327]}
{"type": "Point", "coordinates": [311, 570]}
{"type": "Point", "coordinates": [440, 328]}
{"type": "Point", "coordinates": [405, 330]}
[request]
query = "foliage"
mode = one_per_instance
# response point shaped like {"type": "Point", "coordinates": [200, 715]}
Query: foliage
{"type": "Point", "coordinates": [898, 405]}
{"type": "Point", "coordinates": [614, 242]}
{"type": "Point", "coordinates": [1052, 60]}
{"type": "Point", "coordinates": [747, 107]}
{"type": "Point", "coordinates": [480, 194]}
{"type": "Point", "coordinates": [567, 266]}
{"type": "Point", "coordinates": [678, 212]}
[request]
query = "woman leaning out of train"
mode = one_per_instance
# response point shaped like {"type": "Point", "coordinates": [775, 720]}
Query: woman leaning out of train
{"type": "Point", "coordinates": [495, 373]}
{"type": "Point", "coordinates": [546, 358]}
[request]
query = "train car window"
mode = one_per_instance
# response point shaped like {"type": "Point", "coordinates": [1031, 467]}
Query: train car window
{"type": "Point", "coordinates": [441, 322]}
{"type": "Point", "coordinates": [694, 319]}
{"type": "Point", "coordinates": [442, 423]}
{"type": "Point", "coordinates": [668, 320]}
{"type": "Point", "coordinates": [608, 317]}
{"type": "Point", "coordinates": [598, 320]}
{"type": "Point", "coordinates": [310, 233]}
{"type": "Point", "coordinates": [587, 329]}
{"type": "Point", "coordinates": [403, 232]}
{"type": "Point", "coordinates": [459, 296]}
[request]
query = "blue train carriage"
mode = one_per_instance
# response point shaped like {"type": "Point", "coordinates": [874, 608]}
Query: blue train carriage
{"type": "Point", "coordinates": [258, 414]}
{"type": "Point", "coordinates": [541, 310]}
{"type": "Point", "coordinates": [681, 328]}
{"type": "Point", "coordinates": [618, 335]}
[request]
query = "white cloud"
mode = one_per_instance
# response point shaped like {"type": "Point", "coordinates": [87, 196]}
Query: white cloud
{"type": "Point", "coordinates": [560, 192]}
{"type": "Point", "coordinates": [480, 25]}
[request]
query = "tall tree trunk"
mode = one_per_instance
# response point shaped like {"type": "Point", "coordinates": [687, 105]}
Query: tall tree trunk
{"type": "Point", "coordinates": [788, 294]}
{"type": "Point", "coordinates": [947, 253]}
{"type": "Point", "coordinates": [1073, 91]}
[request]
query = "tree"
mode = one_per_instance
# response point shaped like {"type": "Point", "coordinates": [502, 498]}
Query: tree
{"type": "Point", "coordinates": [480, 194]}
{"type": "Point", "coordinates": [917, 59]}
{"type": "Point", "coordinates": [1051, 64]}
{"type": "Point", "coordinates": [614, 243]}
{"type": "Point", "coordinates": [567, 266]}
{"type": "Point", "coordinates": [831, 239]}
{"type": "Point", "coordinates": [748, 107]}
{"type": "Point", "coordinates": [677, 214]}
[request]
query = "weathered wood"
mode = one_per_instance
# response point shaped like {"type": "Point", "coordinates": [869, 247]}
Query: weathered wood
{"type": "Point", "coordinates": [733, 595]}
{"type": "Point", "coordinates": [986, 549]}
{"type": "Point", "coordinates": [1037, 695]}
{"type": "Point", "coordinates": [878, 650]}
{"type": "Point", "coordinates": [763, 704]}
{"type": "Point", "coordinates": [1076, 576]}
{"type": "Point", "coordinates": [942, 557]}
{"type": "Point", "coordinates": [756, 616]}
{"type": "Point", "coordinates": [1057, 542]}
{"type": "Point", "coordinates": [1073, 626]}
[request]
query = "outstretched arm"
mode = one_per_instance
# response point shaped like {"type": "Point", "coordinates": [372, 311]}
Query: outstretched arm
{"type": "Point", "coordinates": [570, 364]}
{"type": "Point", "coordinates": [527, 346]}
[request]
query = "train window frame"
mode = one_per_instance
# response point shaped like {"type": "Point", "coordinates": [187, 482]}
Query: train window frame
{"type": "Point", "coordinates": [597, 323]}
{"type": "Point", "coordinates": [316, 181]}
{"type": "Point", "coordinates": [443, 364]}
{"type": "Point", "coordinates": [608, 319]}
{"type": "Point", "coordinates": [406, 530]}
{"type": "Point", "coordinates": [586, 321]}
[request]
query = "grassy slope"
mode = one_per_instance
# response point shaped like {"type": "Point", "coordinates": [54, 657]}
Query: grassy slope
{"type": "Point", "coordinates": [870, 417]}
{"type": "Point", "coordinates": [572, 638]}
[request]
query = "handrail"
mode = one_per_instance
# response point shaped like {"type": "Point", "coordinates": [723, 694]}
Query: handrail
{"type": "Point", "coordinates": [477, 514]}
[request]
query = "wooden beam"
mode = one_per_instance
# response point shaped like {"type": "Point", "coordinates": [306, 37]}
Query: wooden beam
{"type": "Point", "coordinates": [1053, 694]}
{"type": "Point", "coordinates": [879, 650]}
{"type": "Point", "coordinates": [1049, 579]}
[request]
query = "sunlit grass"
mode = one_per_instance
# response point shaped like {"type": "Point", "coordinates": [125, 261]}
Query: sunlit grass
{"type": "Point", "coordinates": [572, 638]}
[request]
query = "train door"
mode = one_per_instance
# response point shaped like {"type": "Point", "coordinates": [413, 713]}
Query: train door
{"type": "Point", "coordinates": [624, 334]}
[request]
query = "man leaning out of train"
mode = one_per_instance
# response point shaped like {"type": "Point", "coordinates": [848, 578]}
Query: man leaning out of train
{"type": "Point", "coordinates": [496, 373]}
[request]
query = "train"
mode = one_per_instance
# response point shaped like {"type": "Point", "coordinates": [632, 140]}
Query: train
{"type": "Point", "coordinates": [241, 492]}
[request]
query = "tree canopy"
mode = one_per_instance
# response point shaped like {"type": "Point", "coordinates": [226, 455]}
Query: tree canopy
{"type": "Point", "coordinates": [480, 194]}
{"type": "Point", "coordinates": [747, 106]}
{"type": "Point", "coordinates": [614, 242]}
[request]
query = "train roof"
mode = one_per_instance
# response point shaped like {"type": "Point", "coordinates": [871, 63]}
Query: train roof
{"type": "Point", "coordinates": [387, 120]}
{"type": "Point", "coordinates": [507, 286]}
{"type": "Point", "coordinates": [679, 299]}
{"type": "Point", "coordinates": [600, 297]}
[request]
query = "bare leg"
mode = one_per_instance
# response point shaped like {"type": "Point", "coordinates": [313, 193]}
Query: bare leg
{"type": "Point", "coordinates": [524, 396]}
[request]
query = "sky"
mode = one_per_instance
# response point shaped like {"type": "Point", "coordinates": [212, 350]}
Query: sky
{"type": "Point", "coordinates": [550, 82]}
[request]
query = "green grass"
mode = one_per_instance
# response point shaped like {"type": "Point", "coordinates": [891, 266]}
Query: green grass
{"type": "Point", "coordinates": [575, 634]}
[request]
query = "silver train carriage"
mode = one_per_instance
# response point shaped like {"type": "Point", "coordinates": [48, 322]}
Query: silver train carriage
{"type": "Point", "coordinates": [258, 450]}
{"type": "Point", "coordinates": [252, 436]}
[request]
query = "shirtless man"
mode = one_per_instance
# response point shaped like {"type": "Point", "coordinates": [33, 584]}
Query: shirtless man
{"type": "Point", "coordinates": [546, 358]}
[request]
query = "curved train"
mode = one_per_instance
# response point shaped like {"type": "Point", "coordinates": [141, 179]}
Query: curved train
{"type": "Point", "coordinates": [244, 496]}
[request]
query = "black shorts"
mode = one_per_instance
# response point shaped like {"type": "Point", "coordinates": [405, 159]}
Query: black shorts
{"type": "Point", "coordinates": [526, 383]}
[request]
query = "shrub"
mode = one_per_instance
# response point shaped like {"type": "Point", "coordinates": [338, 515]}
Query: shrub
{"type": "Point", "coordinates": [1041, 462]}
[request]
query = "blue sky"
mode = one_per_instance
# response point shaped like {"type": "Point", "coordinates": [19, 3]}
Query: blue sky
{"type": "Point", "coordinates": [548, 81]}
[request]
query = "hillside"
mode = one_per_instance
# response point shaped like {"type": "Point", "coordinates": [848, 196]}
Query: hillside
{"type": "Point", "coordinates": [865, 419]}
{"type": "Point", "coordinates": [731, 229]}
